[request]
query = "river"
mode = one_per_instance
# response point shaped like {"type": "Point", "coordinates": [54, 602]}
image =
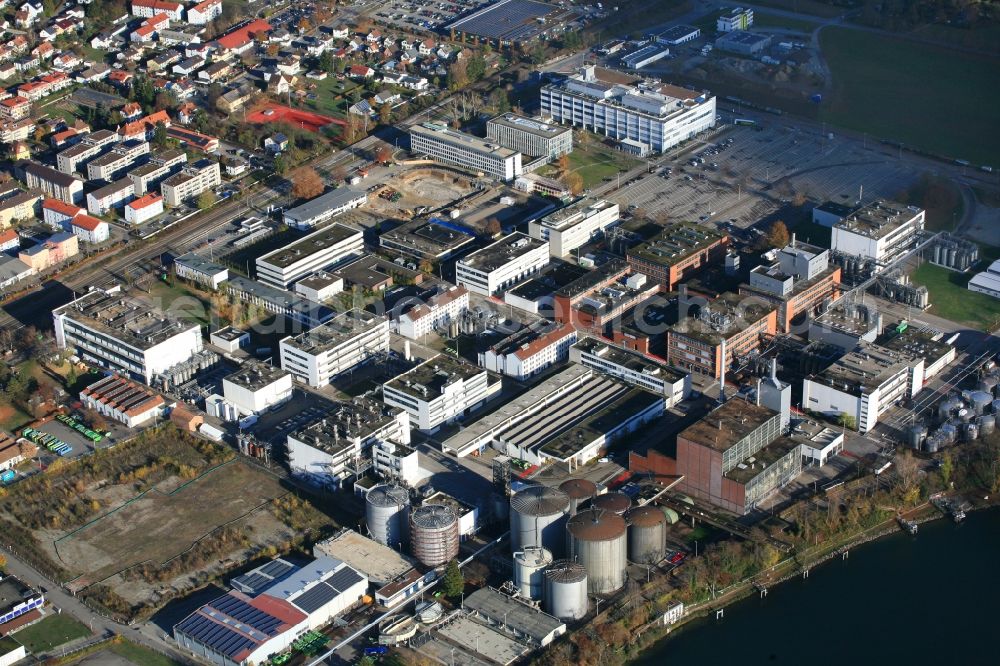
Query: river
{"type": "Point", "coordinates": [925, 599]}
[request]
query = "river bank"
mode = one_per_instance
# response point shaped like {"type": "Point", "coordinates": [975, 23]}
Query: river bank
{"type": "Point", "coordinates": [860, 589]}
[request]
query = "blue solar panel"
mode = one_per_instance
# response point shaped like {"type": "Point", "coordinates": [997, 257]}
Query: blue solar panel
{"type": "Point", "coordinates": [243, 612]}
{"type": "Point", "coordinates": [276, 568]}
{"type": "Point", "coordinates": [344, 579]}
{"type": "Point", "coordinates": [318, 596]}
{"type": "Point", "coordinates": [218, 637]}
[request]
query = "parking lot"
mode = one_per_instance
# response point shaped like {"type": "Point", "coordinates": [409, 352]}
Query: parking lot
{"type": "Point", "coordinates": [759, 171]}
{"type": "Point", "coordinates": [429, 16]}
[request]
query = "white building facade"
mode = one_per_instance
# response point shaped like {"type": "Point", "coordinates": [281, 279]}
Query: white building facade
{"type": "Point", "coordinates": [343, 343]}
{"type": "Point", "coordinates": [472, 152]}
{"type": "Point", "coordinates": [502, 264]}
{"type": "Point", "coordinates": [315, 252]}
{"type": "Point", "coordinates": [574, 226]}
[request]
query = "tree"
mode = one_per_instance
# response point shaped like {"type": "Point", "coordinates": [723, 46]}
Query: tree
{"type": "Point", "coordinates": [457, 75]}
{"type": "Point", "coordinates": [493, 226]}
{"type": "Point", "coordinates": [778, 236]}
{"type": "Point", "coordinates": [476, 68]}
{"type": "Point", "coordinates": [306, 183]}
{"type": "Point", "coordinates": [385, 114]}
{"type": "Point", "coordinates": [206, 200]}
{"type": "Point", "coordinates": [383, 155]}
{"type": "Point", "coordinates": [574, 182]}
{"type": "Point", "coordinates": [947, 468]}
{"type": "Point", "coordinates": [562, 164]}
{"type": "Point", "coordinates": [845, 420]}
{"type": "Point", "coordinates": [453, 582]}
{"type": "Point", "coordinates": [326, 62]}
{"type": "Point", "coordinates": [160, 135]}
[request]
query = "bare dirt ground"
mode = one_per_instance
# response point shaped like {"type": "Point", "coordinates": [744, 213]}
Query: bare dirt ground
{"type": "Point", "coordinates": [431, 188]}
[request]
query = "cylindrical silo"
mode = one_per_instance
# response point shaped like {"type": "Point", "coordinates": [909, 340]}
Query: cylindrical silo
{"type": "Point", "coordinates": [996, 406]}
{"type": "Point", "coordinates": [565, 594]}
{"type": "Point", "coordinates": [949, 434]}
{"type": "Point", "coordinates": [614, 502]}
{"type": "Point", "coordinates": [538, 518]}
{"type": "Point", "coordinates": [932, 444]}
{"type": "Point", "coordinates": [988, 383]}
{"type": "Point", "coordinates": [987, 424]}
{"type": "Point", "coordinates": [596, 539]}
{"type": "Point", "coordinates": [916, 435]}
{"type": "Point", "coordinates": [981, 401]}
{"type": "Point", "coordinates": [385, 513]}
{"type": "Point", "coordinates": [970, 432]}
{"type": "Point", "coordinates": [647, 534]}
{"type": "Point", "coordinates": [579, 491]}
{"type": "Point", "coordinates": [529, 571]}
{"type": "Point", "coordinates": [434, 534]}
{"type": "Point", "coordinates": [948, 407]}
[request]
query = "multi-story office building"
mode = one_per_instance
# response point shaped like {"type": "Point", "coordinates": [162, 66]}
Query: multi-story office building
{"type": "Point", "coordinates": [632, 367]}
{"type": "Point", "coordinates": [880, 232]}
{"type": "Point", "coordinates": [436, 308]}
{"type": "Point", "coordinates": [863, 384]}
{"type": "Point", "coordinates": [124, 334]}
{"type": "Point", "coordinates": [192, 181]}
{"type": "Point", "coordinates": [643, 117]}
{"type": "Point", "coordinates": [196, 268]}
{"type": "Point", "coordinates": [723, 332]}
{"type": "Point", "coordinates": [440, 391]}
{"type": "Point", "coordinates": [339, 345]}
{"type": "Point", "coordinates": [737, 18]}
{"type": "Point", "coordinates": [53, 183]}
{"type": "Point", "coordinates": [318, 251]}
{"type": "Point", "coordinates": [256, 387]}
{"type": "Point", "coordinates": [529, 350]}
{"type": "Point", "coordinates": [472, 152]}
{"type": "Point", "coordinates": [677, 253]}
{"type": "Point", "coordinates": [575, 225]}
{"type": "Point", "coordinates": [304, 312]}
{"type": "Point", "coordinates": [530, 137]}
{"type": "Point", "coordinates": [500, 265]}
{"type": "Point", "coordinates": [324, 207]}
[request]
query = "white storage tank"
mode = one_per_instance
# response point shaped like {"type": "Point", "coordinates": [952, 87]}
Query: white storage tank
{"type": "Point", "coordinates": [647, 534]}
{"type": "Point", "coordinates": [538, 518]}
{"type": "Point", "coordinates": [565, 595]}
{"type": "Point", "coordinates": [529, 571]}
{"type": "Point", "coordinates": [386, 514]}
{"type": "Point", "coordinates": [596, 539]}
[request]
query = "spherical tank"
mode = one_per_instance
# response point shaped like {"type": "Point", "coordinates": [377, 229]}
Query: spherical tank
{"type": "Point", "coordinates": [565, 595]}
{"type": "Point", "coordinates": [385, 513]}
{"type": "Point", "coordinates": [579, 491]}
{"type": "Point", "coordinates": [529, 571]}
{"type": "Point", "coordinates": [434, 534]}
{"type": "Point", "coordinates": [647, 534]}
{"type": "Point", "coordinates": [538, 518]}
{"type": "Point", "coordinates": [596, 539]}
{"type": "Point", "coordinates": [614, 502]}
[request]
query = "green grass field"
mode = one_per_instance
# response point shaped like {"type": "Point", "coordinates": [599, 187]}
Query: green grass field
{"type": "Point", "coordinates": [763, 20]}
{"type": "Point", "coordinates": [812, 7]}
{"type": "Point", "coordinates": [331, 97]}
{"type": "Point", "coordinates": [51, 632]}
{"type": "Point", "coordinates": [139, 655]}
{"type": "Point", "coordinates": [931, 97]}
{"type": "Point", "coordinates": [595, 162]}
{"type": "Point", "coordinates": [952, 300]}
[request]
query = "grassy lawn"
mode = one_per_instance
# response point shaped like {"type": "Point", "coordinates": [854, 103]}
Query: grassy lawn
{"type": "Point", "coordinates": [913, 93]}
{"type": "Point", "coordinates": [775, 21]}
{"type": "Point", "coordinates": [51, 632]}
{"type": "Point", "coordinates": [595, 162]}
{"type": "Point", "coordinates": [952, 300]}
{"type": "Point", "coordinates": [140, 655]}
{"type": "Point", "coordinates": [812, 7]}
{"type": "Point", "coordinates": [636, 17]}
{"type": "Point", "coordinates": [331, 97]}
{"type": "Point", "coordinates": [185, 304]}
{"type": "Point", "coordinates": [985, 38]}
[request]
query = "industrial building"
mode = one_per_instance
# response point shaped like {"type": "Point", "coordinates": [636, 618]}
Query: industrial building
{"type": "Point", "coordinates": [319, 251]}
{"type": "Point", "coordinates": [328, 451]}
{"type": "Point", "coordinates": [643, 117]}
{"type": "Point", "coordinates": [256, 387]}
{"type": "Point", "coordinates": [575, 225]}
{"type": "Point", "coordinates": [743, 43]}
{"type": "Point", "coordinates": [799, 284]}
{"type": "Point", "coordinates": [16, 600]}
{"type": "Point", "coordinates": [324, 207]}
{"type": "Point", "coordinates": [633, 368]}
{"type": "Point", "coordinates": [505, 23]}
{"type": "Point", "coordinates": [530, 137]}
{"type": "Point", "coordinates": [379, 563]}
{"type": "Point", "coordinates": [392, 460]}
{"type": "Point", "coordinates": [335, 347]}
{"type": "Point", "coordinates": [863, 384]}
{"type": "Point", "coordinates": [454, 147]}
{"type": "Point", "coordinates": [596, 303]}
{"type": "Point", "coordinates": [320, 286]}
{"type": "Point", "coordinates": [523, 621]}
{"type": "Point", "coordinates": [124, 401]}
{"type": "Point", "coordinates": [819, 443]}
{"type": "Point", "coordinates": [502, 264]}
{"type": "Point", "coordinates": [196, 268]}
{"type": "Point", "coordinates": [529, 350]}
{"type": "Point", "coordinates": [988, 281]}
{"type": "Point", "coordinates": [124, 334]}
{"type": "Point", "coordinates": [925, 344]}
{"type": "Point", "coordinates": [677, 253]}
{"type": "Point", "coordinates": [880, 231]}
{"type": "Point", "coordinates": [676, 35]}
{"type": "Point", "coordinates": [724, 333]}
{"type": "Point", "coordinates": [434, 309]}
{"type": "Point", "coordinates": [309, 314]}
{"type": "Point", "coordinates": [258, 579]}
{"type": "Point", "coordinates": [433, 239]}
{"type": "Point", "coordinates": [846, 325]}
{"type": "Point", "coordinates": [323, 589]}
{"type": "Point", "coordinates": [440, 390]}
{"type": "Point", "coordinates": [645, 55]}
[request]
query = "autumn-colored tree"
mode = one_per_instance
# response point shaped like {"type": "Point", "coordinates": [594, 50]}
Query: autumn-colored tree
{"type": "Point", "coordinates": [778, 236]}
{"type": "Point", "coordinates": [493, 226]}
{"type": "Point", "coordinates": [562, 164]}
{"type": "Point", "coordinates": [206, 200]}
{"type": "Point", "coordinates": [383, 155]}
{"type": "Point", "coordinates": [306, 183]}
{"type": "Point", "coordinates": [385, 113]}
{"type": "Point", "coordinates": [574, 182]}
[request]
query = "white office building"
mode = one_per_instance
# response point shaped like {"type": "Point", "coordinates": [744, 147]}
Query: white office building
{"type": "Point", "coordinates": [124, 334]}
{"type": "Point", "coordinates": [738, 18]}
{"type": "Point", "coordinates": [323, 589]}
{"type": "Point", "coordinates": [324, 207]}
{"type": "Point", "coordinates": [392, 460]}
{"type": "Point", "coordinates": [472, 152]}
{"type": "Point", "coordinates": [634, 368]}
{"type": "Point", "coordinates": [196, 268]}
{"type": "Point", "coordinates": [341, 344]}
{"type": "Point", "coordinates": [502, 264]}
{"type": "Point", "coordinates": [437, 309]}
{"type": "Point", "coordinates": [642, 116]}
{"type": "Point", "coordinates": [440, 391]}
{"type": "Point", "coordinates": [530, 137]}
{"type": "Point", "coordinates": [575, 225]}
{"type": "Point", "coordinates": [864, 384]}
{"type": "Point", "coordinates": [529, 350]}
{"type": "Point", "coordinates": [256, 387]}
{"type": "Point", "coordinates": [881, 232]}
{"type": "Point", "coordinates": [316, 252]}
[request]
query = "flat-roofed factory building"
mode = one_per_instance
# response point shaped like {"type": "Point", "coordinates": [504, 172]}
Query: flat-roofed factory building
{"type": "Point", "coordinates": [316, 252]}
{"type": "Point", "coordinates": [341, 344]}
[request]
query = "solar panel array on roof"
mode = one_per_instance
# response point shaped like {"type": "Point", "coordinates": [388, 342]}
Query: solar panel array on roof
{"type": "Point", "coordinates": [244, 613]}
{"type": "Point", "coordinates": [344, 579]}
{"type": "Point", "coordinates": [276, 568]}
{"type": "Point", "coordinates": [217, 636]}
{"type": "Point", "coordinates": [315, 598]}
{"type": "Point", "coordinates": [257, 580]}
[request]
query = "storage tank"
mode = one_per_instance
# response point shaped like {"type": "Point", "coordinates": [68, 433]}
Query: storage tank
{"type": "Point", "coordinates": [596, 539]}
{"type": "Point", "coordinates": [647, 534]}
{"type": "Point", "coordinates": [915, 435]}
{"type": "Point", "coordinates": [617, 503]}
{"type": "Point", "coordinates": [949, 434]}
{"type": "Point", "coordinates": [987, 424]}
{"type": "Point", "coordinates": [434, 534]}
{"type": "Point", "coordinates": [981, 401]}
{"type": "Point", "coordinates": [579, 491]}
{"type": "Point", "coordinates": [565, 595]}
{"type": "Point", "coordinates": [385, 513]}
{"type": "Point", "coordinates": [996, 406]}
{"type": "Point", "coordinates": [932, 444]}
{"type": "Point", "coordinates": [988, 383]}
{"type": "Point", "coordinates": [948, 407]}
{"type": "Point", "coordinates": [529, 571]}
{"type": "Point", "coordinates": [538, 518]}
{"type": "Point", "coordinates": [970, 432]}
